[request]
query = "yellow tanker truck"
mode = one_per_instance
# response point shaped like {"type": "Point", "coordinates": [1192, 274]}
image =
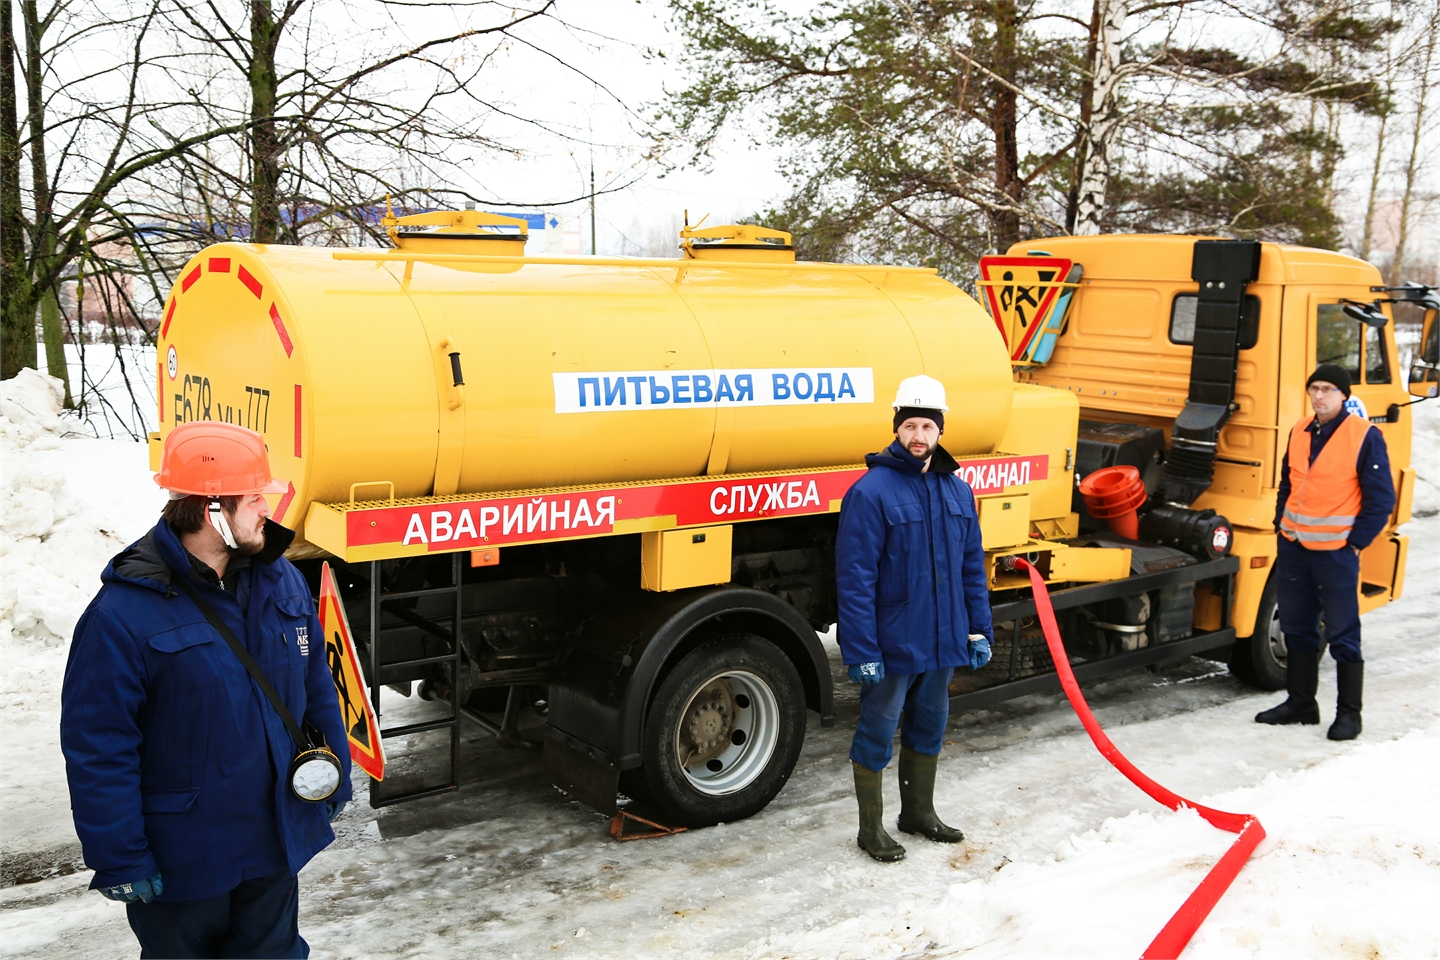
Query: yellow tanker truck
{"type": "Point", "coordinates": [611, 484]}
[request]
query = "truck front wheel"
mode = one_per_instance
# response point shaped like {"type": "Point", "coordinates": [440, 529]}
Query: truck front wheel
{"type": "Point", "coordinates": [723, 732]}
{"type": "Point", "coordinates": [1259, 659]}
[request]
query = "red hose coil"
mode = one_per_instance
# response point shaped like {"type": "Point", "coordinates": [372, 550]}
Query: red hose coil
{"type": "Point", "coordinates": [1173, 938]}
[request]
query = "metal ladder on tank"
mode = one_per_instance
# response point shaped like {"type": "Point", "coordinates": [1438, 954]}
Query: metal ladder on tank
{"type": "Point", "coordinates": [378, 599]}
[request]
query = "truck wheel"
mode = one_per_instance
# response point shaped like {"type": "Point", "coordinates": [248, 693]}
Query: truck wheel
{"type": "Point", "coordinates": [723, 732]}
{"type": "Point", "coordinates": [1259, 659]}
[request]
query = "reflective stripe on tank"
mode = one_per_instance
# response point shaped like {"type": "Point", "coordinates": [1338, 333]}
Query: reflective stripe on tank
{"type": "Point", "coordinates": [1337, 520]}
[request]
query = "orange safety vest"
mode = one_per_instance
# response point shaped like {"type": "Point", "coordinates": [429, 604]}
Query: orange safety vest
{"type": "Point", "coordinates": [1324, 495]}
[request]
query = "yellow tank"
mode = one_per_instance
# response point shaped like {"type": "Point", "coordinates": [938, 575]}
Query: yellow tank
{"type": "Point", "coordinates": [346, 361]}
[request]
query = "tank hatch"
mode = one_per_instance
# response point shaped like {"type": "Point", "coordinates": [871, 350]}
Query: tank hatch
{"type": "Point", "coordinates": [736, 243]}
{"type": "Point", "coordinates": [457, 231]}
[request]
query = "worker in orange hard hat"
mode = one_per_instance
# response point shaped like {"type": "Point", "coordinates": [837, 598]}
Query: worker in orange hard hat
{"type": "Point", "coordinates": [1335, 496]}
{"type": "Point", "coordinates": [198, 711]}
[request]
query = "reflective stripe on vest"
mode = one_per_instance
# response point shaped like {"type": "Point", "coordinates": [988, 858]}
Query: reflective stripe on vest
{"type": "Point", "coordinates": [1324, 495]}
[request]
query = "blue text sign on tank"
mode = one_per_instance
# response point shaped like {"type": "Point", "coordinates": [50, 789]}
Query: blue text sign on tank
{"type": "Point", "coordinates": [619, 390]}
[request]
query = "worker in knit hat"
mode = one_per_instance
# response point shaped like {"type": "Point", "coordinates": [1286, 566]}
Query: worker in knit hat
{"type": "Point", "coordinates": [1335, 495]}
{"type": "Point", "coordinates": [914, 604]}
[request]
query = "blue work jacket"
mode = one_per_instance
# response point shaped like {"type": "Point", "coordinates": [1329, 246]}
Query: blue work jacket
{"type": "Point", "coordinates": [909, 566]}
{"type": "Point", "coordinates": [177, 763]}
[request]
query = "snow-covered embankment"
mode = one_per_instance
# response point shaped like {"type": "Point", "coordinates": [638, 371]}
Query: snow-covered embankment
{"type": "Point", "coordinates": [67, 504]}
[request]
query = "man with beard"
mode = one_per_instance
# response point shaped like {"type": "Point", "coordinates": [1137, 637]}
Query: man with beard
{"type": "Point", "coordinates": [178, 761]}
{"type": "Point", "coordinates": [913, 605]}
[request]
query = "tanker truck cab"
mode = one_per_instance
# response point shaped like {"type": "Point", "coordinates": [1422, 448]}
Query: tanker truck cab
{"type": "Point", "coordinates": [1130, 352]}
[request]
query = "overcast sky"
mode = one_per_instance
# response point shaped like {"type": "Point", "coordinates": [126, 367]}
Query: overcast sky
{"type": "Point", "coordinates": [606, 41]}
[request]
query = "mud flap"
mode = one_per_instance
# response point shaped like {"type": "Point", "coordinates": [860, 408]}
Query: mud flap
{"type": "Point", "coordinates": [592, 781]}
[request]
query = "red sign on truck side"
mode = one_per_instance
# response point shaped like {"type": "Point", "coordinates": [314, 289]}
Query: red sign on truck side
{"type": "Point", "coordinates": [472, 522]}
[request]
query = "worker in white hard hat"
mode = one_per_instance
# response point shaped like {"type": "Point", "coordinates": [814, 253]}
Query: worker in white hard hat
{"type": "Point", "coordinates": [913, 605]}
{"type": "Point", "coordinates": [194, 803]}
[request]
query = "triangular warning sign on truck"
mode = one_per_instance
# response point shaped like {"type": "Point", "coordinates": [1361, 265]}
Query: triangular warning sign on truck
{"type": "Point", "coordinates": [1020, 292]}
{"type": "Point", "coordinates": [355, 712]}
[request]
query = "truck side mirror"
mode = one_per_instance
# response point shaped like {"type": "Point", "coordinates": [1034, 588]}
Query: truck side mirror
{"type": "Point", "coordinates": [1425, 370]}
{"type": "Point", "coordinates": [1366, 313]}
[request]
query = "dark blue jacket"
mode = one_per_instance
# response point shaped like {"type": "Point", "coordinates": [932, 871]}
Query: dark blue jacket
{"type": "Point", "coordinates": [1372, 467]}
{"type": "Point", "coordinates": [177, 763]}
{"type": "Point", "coordinates": [909, 567]}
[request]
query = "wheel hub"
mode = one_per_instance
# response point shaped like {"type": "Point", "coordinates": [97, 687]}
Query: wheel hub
{"type": "Point", "coordinates": [708, 723]}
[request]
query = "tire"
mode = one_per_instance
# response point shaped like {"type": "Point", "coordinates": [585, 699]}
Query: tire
{"type": "Point", "coordinates": [1259, 659]}
{"type": "Point", "coordinates": [722, 733]}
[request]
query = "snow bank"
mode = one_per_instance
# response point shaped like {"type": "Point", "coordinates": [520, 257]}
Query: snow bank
{"type": "Point", "coordinates": [1425, 457]}
{"type": "Point", "coordinates": [1351, 867]}
{"type": "Point", "coordinates": [67, 504]}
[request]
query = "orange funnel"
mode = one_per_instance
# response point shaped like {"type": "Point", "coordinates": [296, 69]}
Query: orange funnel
{"type": "Point", "coordinates": [1112, 494]}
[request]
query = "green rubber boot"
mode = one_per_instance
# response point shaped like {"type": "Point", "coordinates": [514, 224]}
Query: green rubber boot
{"type": "Point", "coordinates": [872, 837]}
{"type": "Point", "coordinates": [917, 798]}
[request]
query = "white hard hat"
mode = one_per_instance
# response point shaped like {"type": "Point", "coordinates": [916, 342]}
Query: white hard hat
{"type": "Point", "coordinates": [924, 392]}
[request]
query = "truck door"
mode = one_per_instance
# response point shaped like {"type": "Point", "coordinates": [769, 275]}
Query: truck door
{"type": "Point", "coordinates": [1368, 354]}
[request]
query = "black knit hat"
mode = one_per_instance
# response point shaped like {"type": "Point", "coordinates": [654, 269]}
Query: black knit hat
{"type": "Point", "coordinates": [905, 413]}
{"type": "Point", "coordinates": [1331, 373]}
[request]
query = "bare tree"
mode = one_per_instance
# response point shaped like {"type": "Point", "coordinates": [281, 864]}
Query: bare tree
{"type": "Point", "coordinates": [106, 137]}
{"type": "Point", "coordinates": [1423, 72]}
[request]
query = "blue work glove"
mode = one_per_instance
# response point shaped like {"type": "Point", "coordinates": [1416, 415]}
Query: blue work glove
{"type": "Point", "coordinates": [333, 808]}
{"type": "Point", "coordinates": [867, 674]}
{"type": "Point", "coordinates": [979, 650]}
{"type": "Point", "coordinates": [142, 890]}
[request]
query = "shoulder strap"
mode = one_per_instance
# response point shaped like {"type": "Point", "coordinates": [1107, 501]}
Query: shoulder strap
{"type": "Point", "coordinates": [301, 741]}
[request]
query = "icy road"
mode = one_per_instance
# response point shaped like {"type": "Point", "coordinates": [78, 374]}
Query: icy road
{"type": "Point", "coordinates": [1063, 856]}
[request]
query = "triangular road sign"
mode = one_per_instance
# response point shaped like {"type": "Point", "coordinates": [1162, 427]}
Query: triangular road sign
{"type": "Point", "coordinates": [364, 733]}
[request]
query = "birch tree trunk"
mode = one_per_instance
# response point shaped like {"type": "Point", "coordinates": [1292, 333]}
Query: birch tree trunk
{"type": "Point", "coordinates": [1105, 122]}
{"type": "Point", "coordinates": [1423, 71]}
{"type": "Point", "coordinates": [1375, 171]}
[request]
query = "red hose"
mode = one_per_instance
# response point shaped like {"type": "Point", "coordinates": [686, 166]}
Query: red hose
{"type": "Point", "coordinates": [1176, 934]}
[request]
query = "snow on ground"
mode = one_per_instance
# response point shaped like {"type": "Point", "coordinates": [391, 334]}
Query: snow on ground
{"type": "Point", "coordinates": [67, 504]}
{"type": "Point", "coordinates": [1425, 457]}
{"type": "Point", "coordinates": [1063, 857]}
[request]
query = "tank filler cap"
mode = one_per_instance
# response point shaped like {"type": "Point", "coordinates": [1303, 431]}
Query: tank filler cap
{"type": "Point", "coordinates": [444, 230]}
{"type": "Point", "coordinates": [743, 242]}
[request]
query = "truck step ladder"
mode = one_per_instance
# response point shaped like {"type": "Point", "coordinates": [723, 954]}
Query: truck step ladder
{"type": "Point", "coordinates": [383, 602]}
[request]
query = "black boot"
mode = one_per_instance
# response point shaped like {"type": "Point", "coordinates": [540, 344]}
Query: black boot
{"type": "Point", "coordinates": [872, 837]}
{"type": "Point", "coordinates": [1349, 678]}
{"type": "Point", "coordinates": [1302, 676]}
{"type": "Point", "coordinates": [917, 798]}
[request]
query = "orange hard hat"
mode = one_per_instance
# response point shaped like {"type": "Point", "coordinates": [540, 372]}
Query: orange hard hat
{"type": "Point", "coordinates": [209, 459]}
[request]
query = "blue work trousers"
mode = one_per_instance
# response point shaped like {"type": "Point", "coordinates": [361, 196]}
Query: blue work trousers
{"type": "Point", "coordinates": [259, 918]}
{"type": "Point", "coordinates": [1311, 584]}
{"type": "Point", "coordinates": [918, 703]}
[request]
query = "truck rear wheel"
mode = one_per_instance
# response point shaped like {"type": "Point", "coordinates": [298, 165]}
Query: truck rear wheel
{"type": "Point", "coordinates": [1259, 659]}
{"type": "Point", "coordinates": [723, 732]}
